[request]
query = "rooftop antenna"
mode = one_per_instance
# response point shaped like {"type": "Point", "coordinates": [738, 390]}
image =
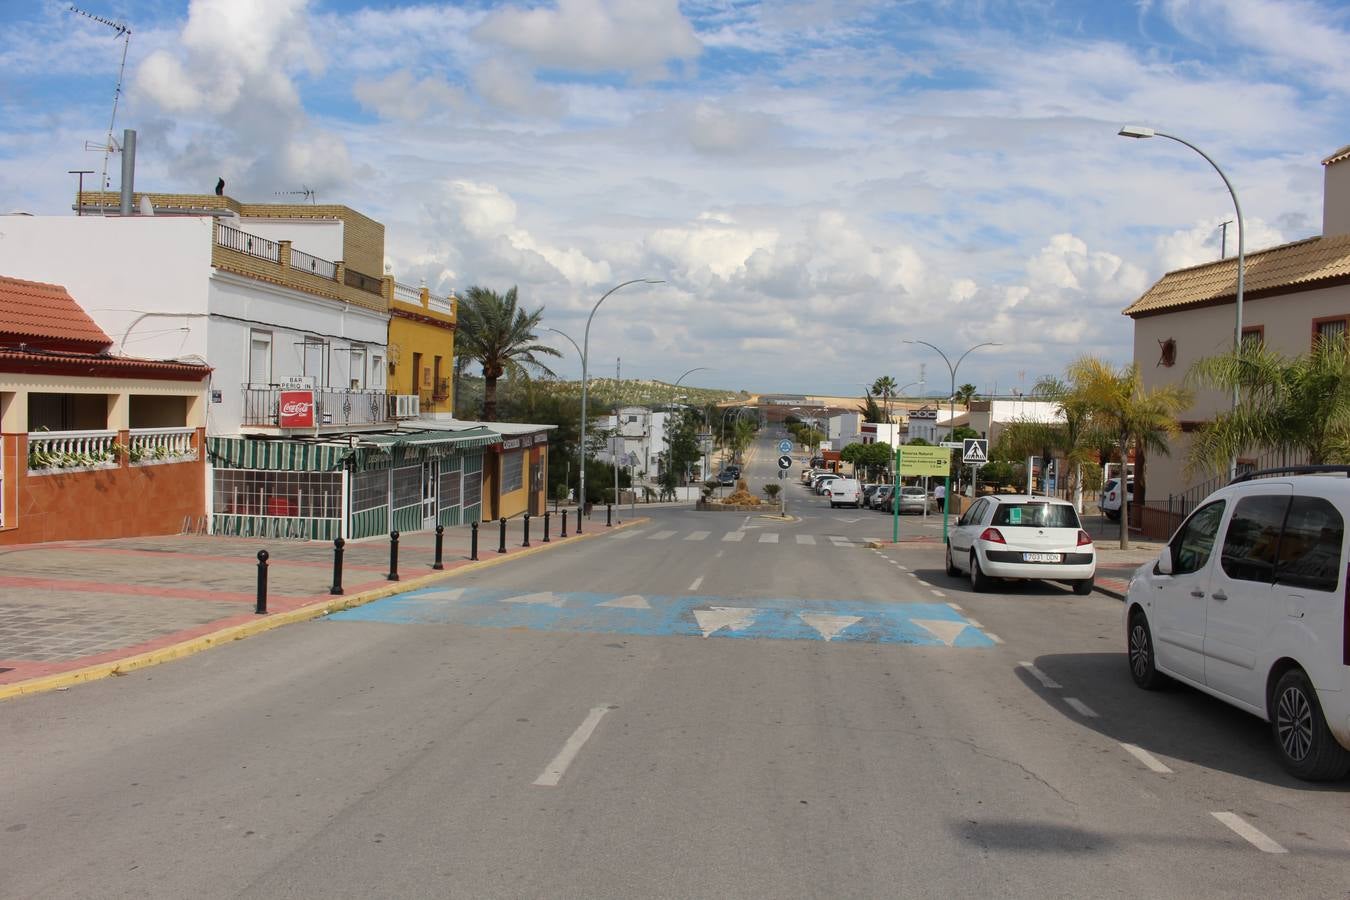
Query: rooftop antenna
{"type": "Point", "coordinates": [306, 192]}
{"type": "Point", "coordinates": [109, 146]}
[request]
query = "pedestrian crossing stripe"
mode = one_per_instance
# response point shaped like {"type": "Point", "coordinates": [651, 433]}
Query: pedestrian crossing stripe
{"type": "Point", "coordinates": [806, 539]}
{"type": "Point", "coordinates": [735, 537]}
{"type": "Point", "coordinates": [833, 620]}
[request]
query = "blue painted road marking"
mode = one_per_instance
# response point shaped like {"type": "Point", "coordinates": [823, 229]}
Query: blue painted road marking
{"type": "Point", "coordinates": [858, 621]}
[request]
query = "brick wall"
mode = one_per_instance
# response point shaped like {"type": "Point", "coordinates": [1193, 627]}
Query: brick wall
{"type": "Point", "coordinates": [264, 269]}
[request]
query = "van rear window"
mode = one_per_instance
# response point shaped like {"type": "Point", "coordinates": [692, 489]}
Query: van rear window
{"type": "Point", "coordinates": [1036, 515]}
{"type": "Point", "coordinates": [1310, 550]}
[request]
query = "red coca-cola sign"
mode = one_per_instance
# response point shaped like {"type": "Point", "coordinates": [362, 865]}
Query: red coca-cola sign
{"type": "Point", "coordinates": [297, 409]}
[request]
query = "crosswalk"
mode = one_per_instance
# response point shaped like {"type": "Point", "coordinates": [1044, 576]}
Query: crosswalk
{"type": "Point", "coordinates": [741, 536]}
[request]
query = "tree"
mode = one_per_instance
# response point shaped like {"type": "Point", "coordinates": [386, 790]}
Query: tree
{"type": "Point", "coordinates": [682, 449]}
{"type": "Point", "coordinates": [869, 409]}
{"type": "Point", "coordinates": [1134, 415]}
{"type": "Point", "coordinates": [495, 332]}
{"type": "Point", "coordinates": [965, 394]}
{"type": "Point", "coordinates": [884, 387]}
{"type": "Point", "coordinates": [1296, 406]}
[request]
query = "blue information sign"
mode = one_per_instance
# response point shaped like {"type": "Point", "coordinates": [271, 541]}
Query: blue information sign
{"type": "Point", "coordinates": [785, 446]}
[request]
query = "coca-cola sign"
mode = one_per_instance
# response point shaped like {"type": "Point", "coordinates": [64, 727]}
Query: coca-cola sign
{"type": "Point", "coordinates": [297, 409]}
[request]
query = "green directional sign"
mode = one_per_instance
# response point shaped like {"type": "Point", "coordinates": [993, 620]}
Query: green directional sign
{"type": "Point", "coordinates": [925, 461]}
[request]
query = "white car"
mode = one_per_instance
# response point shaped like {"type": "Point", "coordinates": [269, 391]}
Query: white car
{"type": "Point", "coordinates": [1249, 602]}
{"type": "Point", "coordinates": [1019, 536]}
{"type": "Point", "coordinates": [842, 491]}
{"type": "Point", "coordinates": [818, 483]}
{"type": "Point", "coordinates": [1109, 502]}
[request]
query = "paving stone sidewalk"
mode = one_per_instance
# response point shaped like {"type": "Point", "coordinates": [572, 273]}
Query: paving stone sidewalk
{"type": "Point", "coordinates": [64, 606]}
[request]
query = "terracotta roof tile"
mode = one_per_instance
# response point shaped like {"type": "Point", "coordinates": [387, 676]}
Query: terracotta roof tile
{"type": "Point", "coordinates": [1289, 265]}
{"type": "Point", "coordinates": [109, 366]}
{"type": "Point", "coordinates": [1343, 153]}
{"type": "Point", "coordinates": [46, 315]}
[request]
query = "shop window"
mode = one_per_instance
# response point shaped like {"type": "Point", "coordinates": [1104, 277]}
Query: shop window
{"type": "Point", "coordinates": [513, 472]}
{"type": "Point", "coordinates": [370, 490]}
{"type": "Point", "coordinates": [253, 492]}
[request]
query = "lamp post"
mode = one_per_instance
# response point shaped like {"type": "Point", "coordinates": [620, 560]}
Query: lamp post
{"type": "Point", "coordinates": [582, 448]}
{"type": "Point", "coordinates": [585, 349]}
{"type": "Point", "coordinates": [1139, 131]}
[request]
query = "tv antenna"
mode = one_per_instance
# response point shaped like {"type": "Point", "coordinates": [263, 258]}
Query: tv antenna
{"type": "Point", "coordinates": [306, 192]}
{"type": "Point", "coordinates": [110, 146]}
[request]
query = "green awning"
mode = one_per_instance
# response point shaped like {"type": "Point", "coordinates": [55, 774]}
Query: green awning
{"type": "Point", "coordinates": [276, 455]}
{"type": "Point", "coordinates": [466, 439]}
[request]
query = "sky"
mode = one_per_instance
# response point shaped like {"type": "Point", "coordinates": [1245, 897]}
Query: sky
{"type": "Point", "coordinates": [814, 182]}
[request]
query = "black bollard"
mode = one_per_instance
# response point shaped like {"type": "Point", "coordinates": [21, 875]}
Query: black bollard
{"type": "Point", "coordinates": [261, 608]}
{"type": "Point", "coordinates": [545, 526]}
{"type": "Point", "coordinates": [578, 520]}
{"type": "Point", "coordinates": [564, 525]}
{"type": "Point", "coordinates": [473, 541]}
{"type": "Point", "coordinates": [526, 542]}
{"type": "Point", "coordinates": [440, 542]}
{"type": "Point", "coordinates": [393, 556]}
{"type": "Point", "coordinates": [501, 544]}
{"type": "Point", "coordinates": [338, 544]}
{"type": "Point", "coordinates": [609, 515]}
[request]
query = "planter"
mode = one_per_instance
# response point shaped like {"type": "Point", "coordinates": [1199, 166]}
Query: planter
{"type": "Point", "coordinates": [773, 508]}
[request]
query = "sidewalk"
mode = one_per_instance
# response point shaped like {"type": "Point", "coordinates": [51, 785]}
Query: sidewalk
{"type": "Point", "coordinates": [97, 605]}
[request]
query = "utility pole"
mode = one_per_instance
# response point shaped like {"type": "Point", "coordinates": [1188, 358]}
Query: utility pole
{"type": "Point", "coordinates": [1223, 239]}
{"type": "Point", "coordinates": [618, 431]}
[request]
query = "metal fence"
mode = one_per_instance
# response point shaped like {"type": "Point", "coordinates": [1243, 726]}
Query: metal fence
{"type": "Point", "coordinates": [306, 262]}
{"type": "Point", "coordinates": [234, 239]}
{"type": "Point", "coordinates": [332, 406]}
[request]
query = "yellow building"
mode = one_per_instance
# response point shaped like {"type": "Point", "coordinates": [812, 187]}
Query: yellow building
{"type": "Point", "coordinates": [421, 345]}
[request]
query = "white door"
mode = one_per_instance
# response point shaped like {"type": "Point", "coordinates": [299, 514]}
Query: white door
{"type": "Point", "coordinates": [430, 473]}
{"type": "Point", "coordinates": [1180, 599]}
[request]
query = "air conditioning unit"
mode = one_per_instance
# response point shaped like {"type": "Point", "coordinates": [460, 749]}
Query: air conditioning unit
{"type": "Point", "coordinates": [405, 406]}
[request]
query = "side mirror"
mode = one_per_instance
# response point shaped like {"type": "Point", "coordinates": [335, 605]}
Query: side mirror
{"type": "Point", "coordinates": [1164, 564]}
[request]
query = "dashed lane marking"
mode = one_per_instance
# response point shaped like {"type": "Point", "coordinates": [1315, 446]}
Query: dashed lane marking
{"type": "Point", "coordinates": [936, 593]}
{"type": "Point", "coordinates": [955, 606]}
{"type": "Point", "coordinates": [697, 581]}
{"type": "Point", "coordinates": [972, 621]}
{"type": "Point", "coordinates": [1080, 707]}
{"type": "Point", "coordinates": [1148, 759]}
{"type": "Point", "coordinates": [1045, 680]}
{"type": "Point", "coordinates": [993, 637]}
{"type": "Point", "coordinates": [1249, 832]}
{"type": "Point", "coordinates": [554, 771]}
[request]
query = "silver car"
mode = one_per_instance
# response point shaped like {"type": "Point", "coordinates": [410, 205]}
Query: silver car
{"type": "Point", "coordinates": [914, 500]}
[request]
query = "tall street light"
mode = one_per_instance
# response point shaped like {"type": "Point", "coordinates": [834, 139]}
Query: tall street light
{"type": "Point", "coordinates": [585, 350]}
{"type": "Point", "coordinates": [952, 368]}
{"type": "Point", "coordinates": [582, 449]}
{"type": "Point", "coordinates": [1139, 131]}
{"type": "Point", "coordinates": [665, 431]}
{"type": "Point", "coordinates": [690, 372]}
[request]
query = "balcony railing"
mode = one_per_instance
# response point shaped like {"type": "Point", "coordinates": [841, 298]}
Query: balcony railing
{"type": "Point", "coordinates": [362, 282]}
{"type": "Point", "coordinates": [406, 294]}
{"type": "Point", "coordinates": [333, 407]}
{"type": "Point", "coordinates": [234, 239]}
{"type": "Point", "coordinates": [306, 262]}
{"type": "Point", "coordinates": [442, 304]}
{"type": "Point", "coordinates": [66, 451]}
{"type": "Point", "coordinates": [147, 446]}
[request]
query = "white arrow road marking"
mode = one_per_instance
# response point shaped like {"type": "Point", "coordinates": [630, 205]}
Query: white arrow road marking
{"type": "Point", "coordinates": [553, 772]}
{"type": "Point", "coordinates": [631, 601]}
{"type": "Point", "coordinates": [732, 618]}
{"type": "Point", "coordinates": [447, 594]}
{"type": "Point", "coordinates": [542, 598]}
{"type": "Point", "coordinates": [1045, 680]}
{"type": "Point", "coordinates": [827, 625]}
{"type": "Point", "coordinates": [848, 521]}
{"type": "Point", "coordinates": [1249, 832]}
{"type": "Point", "coordinates": [944, 630]}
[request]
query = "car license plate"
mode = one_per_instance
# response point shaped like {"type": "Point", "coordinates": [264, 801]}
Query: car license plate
{"type": "Point", "coordinates": [1040, 557]}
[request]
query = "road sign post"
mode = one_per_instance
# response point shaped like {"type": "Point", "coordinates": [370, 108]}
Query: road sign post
{"type": "Point", "coordinates": [918, 461]}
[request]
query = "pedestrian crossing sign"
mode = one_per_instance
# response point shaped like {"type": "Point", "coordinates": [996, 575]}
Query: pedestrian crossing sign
{"type": "Point", "coordinates": [975, 451]}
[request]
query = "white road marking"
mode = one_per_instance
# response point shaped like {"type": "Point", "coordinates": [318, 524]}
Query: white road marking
{"type": "Point", "coordinates": [734, 536]}
{"type": "Point", "coordinates": [625, 535]}
{"type": "Point", "coordinates": [631, 601]}
{"type": "Point", "coordinates": [769, 537]}
{"type": "Point", "coordinates": [993, 637]}
{"type": "Point", "coordinates": [1045, 680]}
{"type": "Point", "coordinates": [718, 554]}
{"type": "Point", "coordinates": [897, 565]}
{"type": "Point", "coordinates": [808, 539]}
{"type": "Point", "coordinates": [955, 606]}
{"type": "Point", "coordinates": [911, 575]}
{"type": "Point", "coordinates": [541, 598]}
{"type": "Point", "coordinates": [1080, 707]}
{"type": "Point", "coordinates": [660, 535]}
{"type": "Point", "coordinates": [697, 535]}
{"type": "Point", "coordinates": [839, 540]}
{"type": "Point", "coordinates": [828, 625]}
{"type": "Point", "coordinates": [1249, 832]}
{"type": "Point", "coordinates": [553, 772]}
{"type": "Point", "coordinates": [974, 622]}
{"type": "Point", "coordinates": [936, 593]}
{"type": "Point", "coordinates": [944, 630]}
{"type": "Point", "coordinates": [715, 618]}
{"type": "Point", "coordinates": [697, 582]}
{"type": "Point", "coordinates": [1148, 759]}
{"type": "Point", "coordinates": [451, 594]}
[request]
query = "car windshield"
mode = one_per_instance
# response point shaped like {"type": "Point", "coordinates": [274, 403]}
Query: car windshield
{"type": "Point", "coordinates": [1036, 515]}
{"type": "Point", "coordinates": [912, 491]}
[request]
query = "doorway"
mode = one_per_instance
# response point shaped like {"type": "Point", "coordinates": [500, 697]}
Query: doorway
{"type": "Point", "coordinates": [430, 473]}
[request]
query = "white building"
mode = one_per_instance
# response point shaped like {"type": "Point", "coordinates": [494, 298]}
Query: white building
{"type": "Point", "coordinates": [642, 436]}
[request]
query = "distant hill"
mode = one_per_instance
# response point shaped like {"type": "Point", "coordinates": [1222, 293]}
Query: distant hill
{"type": "Point", "coordinates": [608, 392]}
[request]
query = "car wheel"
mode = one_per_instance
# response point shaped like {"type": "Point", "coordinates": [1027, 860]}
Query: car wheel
{"type": "Point", "coordinates": [1140, 648]}
{"type": "Point", "coordinates": [978, 580]}
{"type": "Point", "coordinates": [1112, 516]}
{"type": "Point", "coordinates": [1083, 587]}
{"type": "Point", "coordinates": [951, 564]}
{"type": "Point", "coordinates": [1307, 749]}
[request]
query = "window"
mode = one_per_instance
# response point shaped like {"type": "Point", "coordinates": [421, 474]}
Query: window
{"type": "Point", "coordinates": [1035, 515]}
{"type": "Point", "coordinates": [316, 360]}
{"type": "Point", "coordinates": [357, 372]}
{"type": "Point", "coordinates": [1330, 327]}
{"type": "Point", "coordinates": [254, 492]}
{"type": "Point", "coordinates": [370, 490]}
{"type": "Point", "coordinates": [377, 371]}
{"type": "Point", "coordinates": [450, 486]}
{"type": "Point", "coordinates": [1254, 336]}
{"type": "Point", "coordinates": [407, 486]}
{"type": "Point", "coordinates": [416, 372]}
{"type": "Point", "coordinates": [1193, 543]}
{"type": "Point", "coordinates": [473, 489]}
{"type": "Point", "coordinates": [260, 357]}
{"type": "Point", "coordinates": [513, 468]}
{"type": "Point", "coordinates": [436, 377]}
{"type": "Point", "coordinates": [1310, 553]}
{"type": "Point", "coordinates": [1253, 538]}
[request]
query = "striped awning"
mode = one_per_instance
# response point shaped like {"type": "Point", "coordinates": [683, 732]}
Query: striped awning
{"type": "Point", "coordinates": [466, 439]}
{"type": "Point", "coordinates": [283, 455]}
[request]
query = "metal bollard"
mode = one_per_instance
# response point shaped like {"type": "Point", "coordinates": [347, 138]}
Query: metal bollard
{"type": "Point", "coordinates": [578, 520]}
{"type": "Point", "coordinates": [393, 556]}
{"type": "Point", "coordinates": [545, 526]}
{"type": "Point", "coordinates": [526, 542]}
{"type": "Point", "coordinates": [473, 541]}
{"type": "Point", "coordinates": [440, 543]}
{"type": "Point", "coordinates": [501, 544]}
{"type": "Point", "coordinates": [338, 544]}
{"type": "Point", "coordinates": [609, 515]}
{"type": "Point", "coordinates": [261, 608]}
{"type": "Point", "coordinates": [564, 525]}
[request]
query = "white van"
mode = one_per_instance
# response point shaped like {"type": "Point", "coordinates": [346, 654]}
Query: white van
{"type": "Point", "coordinates": [842, 491]}
{"type": "Point", "coordinates": [1250, 602]}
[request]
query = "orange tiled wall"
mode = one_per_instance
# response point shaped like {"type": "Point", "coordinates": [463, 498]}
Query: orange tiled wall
{"type": "Point", "coordinates": [129, 501]}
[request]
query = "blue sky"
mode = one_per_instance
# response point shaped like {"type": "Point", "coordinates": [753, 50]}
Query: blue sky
{"type": "Point", "coordinates": [815, 181]}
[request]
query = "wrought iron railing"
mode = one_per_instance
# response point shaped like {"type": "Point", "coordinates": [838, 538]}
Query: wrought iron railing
{"type": "Point", "coordinates": [234, 239]}
{"type": "Point", "coordinates": [333, 406]}
{"type": "Point", "coordinates": [307, 262]}
{"type": "Point", "coordinates": [363, 282]}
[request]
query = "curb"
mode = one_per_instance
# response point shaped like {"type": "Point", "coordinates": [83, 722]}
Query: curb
{"type": "Point", "coordinates": [63, 680]}
{"type": "Point", "coordinates": [1110, 592]}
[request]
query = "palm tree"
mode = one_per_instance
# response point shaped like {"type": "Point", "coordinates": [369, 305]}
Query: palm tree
{"type": "Point", "coordinates": [966, 393]}
{"type": "Point", "coordinates": [495, 332]}
{"type": "Point", "coordinates": [869, 409]}
{"type": "Point", "coordinates": [1079, 437]}
{"type": "Point", "coordinates": [1296, 406]}
{"type": "Point", "coordinates": [1124, 408]}
{"type": "Point", "coordinates": [885, 388]}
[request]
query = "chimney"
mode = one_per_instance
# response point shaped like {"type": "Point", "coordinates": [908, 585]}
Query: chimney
{"type": "Point", "coordinates": [128, 169]}
{"type": "Point", "coordinates": [1336, 193]}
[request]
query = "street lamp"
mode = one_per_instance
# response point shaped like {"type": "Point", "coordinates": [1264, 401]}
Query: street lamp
{"type": "Point", "coordinates": [581, 450]}
{"type": "Point", "coordinates": [690, 372]}
{"type": "Point", "coordinates": [1139, 131]}
{"type": "Point", "coordinates": [585, 350]}
{"type": "Point", "coordinates": [952, 368]}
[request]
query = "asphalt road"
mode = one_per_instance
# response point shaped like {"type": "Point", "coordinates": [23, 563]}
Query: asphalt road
{"type": "Point", "coordinates": [669, 710]}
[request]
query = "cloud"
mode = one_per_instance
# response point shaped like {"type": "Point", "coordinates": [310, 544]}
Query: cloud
{"type": "Point", "coordinates": [505, 85]}
{"type": "Point", "coordinates": [400, 95]}
{"type": "Point", "coordinates": [1202, 242]}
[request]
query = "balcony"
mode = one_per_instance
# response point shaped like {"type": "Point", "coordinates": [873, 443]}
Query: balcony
{"type": "Point", "coordinates": [334, 407]}
{"type": "Point", "coordinates": [55, 452]}
{"type": "Point", "coordinates": [277, 261]}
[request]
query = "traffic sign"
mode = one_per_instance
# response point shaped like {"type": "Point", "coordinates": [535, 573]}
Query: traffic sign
{"type": "Point", "coordinates": [975, 451]}
{"type": "Point", "coordinates": [925, 461]}
{"type": "Point", "coordinates": [785, 446]}
{"type": "Point", "coordinates": [784, 462]}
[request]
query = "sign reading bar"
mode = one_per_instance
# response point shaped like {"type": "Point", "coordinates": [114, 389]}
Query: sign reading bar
{"type": "Point", "coordinates": [296, 409]}
{"type": "Point", "coordinates": [931, 461]}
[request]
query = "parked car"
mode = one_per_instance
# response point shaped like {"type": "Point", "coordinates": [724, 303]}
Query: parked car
{"type": "Point", "coordinates": [882, 498]}
{"type": "Point", "coordinates": [734, 469]}
{"type": "Point", "coordinates": [844, 491]}
{"type": "Point", "coordinates": [818, 483]}
{"type": "Point", "coordinates": [1250, 603]}
{"type": "Point", "coordinates": [869, 490]}
{"type": "Point", "coordinates": [914, 500]}
{"type": "Point", "coordinates": [1110, 499]}
{"type": "Point", "coordinates": [726, 478]}
{"type": "Point", "coordinates": [1020, 536]}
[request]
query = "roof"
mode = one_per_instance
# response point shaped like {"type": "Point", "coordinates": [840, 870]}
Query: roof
{"type": "Point", "coordinates": [464, 439]}
{"type": "Point", "coordinates": [46, 315]}
{"type": "Point", "coordinates": [1303, 264]}
{"type": "Point", "coordinates": [1343, 153]}
{"type": "Point", "coordinates": [38, 361]}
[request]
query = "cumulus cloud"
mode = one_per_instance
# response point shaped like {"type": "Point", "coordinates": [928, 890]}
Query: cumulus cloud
{"type": "Point", "coordinates": [401, 95]}
{"type": "Point", "coordinates": [1202, 242]}
{"type": "Point", "coordinates": [512, 88]}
